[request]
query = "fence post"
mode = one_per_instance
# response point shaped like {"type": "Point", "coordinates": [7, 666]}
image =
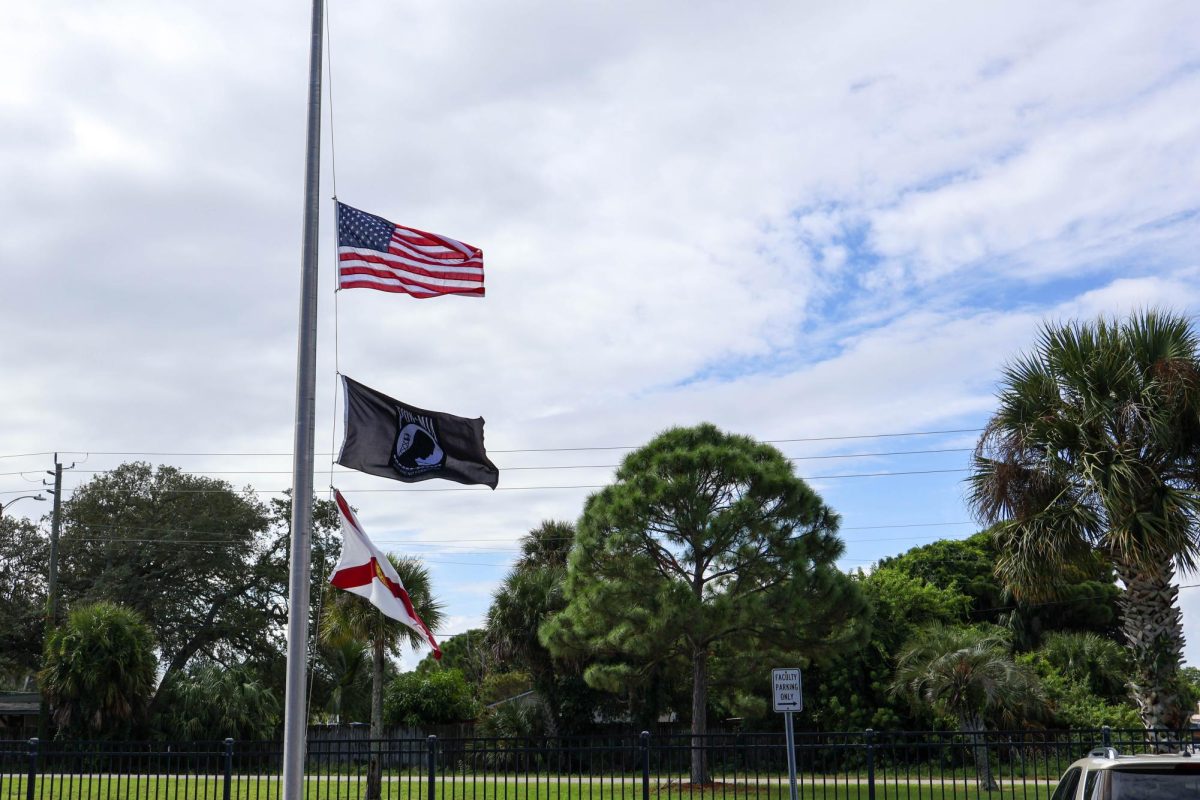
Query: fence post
{"type": "Point", "coordinates": [228, 792]}
{"type": "Point", "coordinates": [1106, 736]}
{"type": "Point", "coordinates": [645, 765]}
{"type": "Point", "coordinates": [870, 736]}
{"type": "Point", "coordinates": [432, 742]}
{"type": "Point", "coordinates": [31, 779]}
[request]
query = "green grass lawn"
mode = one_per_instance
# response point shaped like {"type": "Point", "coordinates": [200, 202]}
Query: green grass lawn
{"type": "Point", "coordinates": [552, 788]}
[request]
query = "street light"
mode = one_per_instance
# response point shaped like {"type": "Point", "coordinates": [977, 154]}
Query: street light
{"type": "Point", "coordinates": [4, 506]}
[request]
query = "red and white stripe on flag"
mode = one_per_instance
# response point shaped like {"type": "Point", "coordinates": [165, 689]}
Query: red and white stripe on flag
{"type": "Point", "coordinates": [365, 571]}
{"type": "Point", "coordinates": [417, 263]}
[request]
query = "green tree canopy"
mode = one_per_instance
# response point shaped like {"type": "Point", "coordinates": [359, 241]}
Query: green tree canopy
{"type": "Point", "coordinates": [964, 565]}
{"type": "Point", "coordinates": [530, 594]}
{"type": "Point", "coordinates": [212, 701]}
{"type": "Point", "coordinates": [855, 685]}
{"type": "Point", "coordinates": [467, 652]}
{"type": "Point", "coordinates": [1086, 597]}
{"type": "Point", "coordinates": [1094, 448]}
{"type": "Point", "coordinates": [24, 561]}
{"type": "Point", "coordinates": [1084, 678]}
{"type": "Point", "coordinates": [1098, 663]}
{"type": "Point", "coordinates": [341, 679]}
{"type": "Point", "coordinates": [429, 699]}
{"type": "Point", "coordinates": [707, 544]}
{"type": "Point", "coordinates": [499, 686]}
{"type": "Point", "coordinates": [98, 673]}
{"type": "Point", "coordinates": [204, 564]}
{"type": "Point", "coordinates": [182, 550]}
{"type": "Point", "coordinates": [969, 675]}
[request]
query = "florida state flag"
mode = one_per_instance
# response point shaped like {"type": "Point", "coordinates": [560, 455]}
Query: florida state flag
{"type": "Point", "coordinates": [365, 571]}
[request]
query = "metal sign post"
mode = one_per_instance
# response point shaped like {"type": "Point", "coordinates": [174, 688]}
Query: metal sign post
{"type": "Point", "coordinates": [787, 697]}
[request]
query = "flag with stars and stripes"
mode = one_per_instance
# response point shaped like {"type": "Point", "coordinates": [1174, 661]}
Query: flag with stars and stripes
{"type": "Point", "coordinates": [376, 254]}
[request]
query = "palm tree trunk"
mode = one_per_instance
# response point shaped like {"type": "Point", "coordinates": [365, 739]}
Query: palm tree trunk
{"type": "Point", "coordinates": [976, 731]}
{"type": "Point", "coordinates": [1153, 628]}
{"type": "Point", "coordinates": [375, 767]}
{"type": "Point", "coordinates": [699, 715]}
{"type": "Point", "coordinates": [548, 713]}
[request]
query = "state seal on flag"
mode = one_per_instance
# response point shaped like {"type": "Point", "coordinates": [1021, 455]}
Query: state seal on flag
{"type": "Point", "coordinates": [417, 449]}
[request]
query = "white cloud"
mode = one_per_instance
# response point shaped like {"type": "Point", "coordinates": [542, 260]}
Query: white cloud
{"type": "Point", "coordinates": [795, 220]}
{"type": "Point", "coordinates": [1075, 198]}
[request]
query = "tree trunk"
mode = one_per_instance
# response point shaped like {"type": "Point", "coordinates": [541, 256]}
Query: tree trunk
{"type": "Point", "coordinates": [1153, 628]}
{"type": "Point", "coordinates": [699, 715]}
{"type": "Point", "coordinates": [548, 712]}
{"type": "Point", "coordinates": [976, 731]}
{"type": "Point", "coordinates": [375, 767]}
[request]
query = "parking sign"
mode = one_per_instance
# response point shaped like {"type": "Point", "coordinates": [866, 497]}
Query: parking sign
{"type": "Point", "coordinates": [786, 690]}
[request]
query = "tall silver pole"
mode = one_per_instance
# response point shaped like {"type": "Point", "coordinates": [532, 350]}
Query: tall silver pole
{"type": "Point", "coordinates": [295, 718]}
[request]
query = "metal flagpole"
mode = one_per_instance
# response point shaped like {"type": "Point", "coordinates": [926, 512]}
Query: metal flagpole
{"type": "Point", "coordinates": [295, 716]}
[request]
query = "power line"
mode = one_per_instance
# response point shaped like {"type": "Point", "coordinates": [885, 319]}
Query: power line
{"type": "Point", "coordinates": [546, 488]}
{"type": "Point", "coordinates": [549, 467]}
{"type": "Point", "coordinates": [33, 455]}
{"type": "Point", "coordinates": [602, 486]}
{"type": "Point", "coordinates": [906, 525]}
{"type": "Point", "coordinates": [513, 450]}
{"type": "Point", "coordinates": [429, 546]}
{"type": "Point", "coordinates": [765, 441]}
{"type": "Point", "coordinates": [101, 526]}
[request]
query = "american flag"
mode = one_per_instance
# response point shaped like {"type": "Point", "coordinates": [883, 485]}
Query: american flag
{"type": "Point", "coordinates": [376, 254]}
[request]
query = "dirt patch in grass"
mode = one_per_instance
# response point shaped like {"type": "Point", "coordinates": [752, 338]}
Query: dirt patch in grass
{"type": "Point", "coordinates": [704, 788]}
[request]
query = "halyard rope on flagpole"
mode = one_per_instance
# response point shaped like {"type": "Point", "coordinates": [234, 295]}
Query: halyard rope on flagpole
{"type": "Point", "coordinates": [337, 368]}
{"type": "Point", "coordinates": [314, 641]}
{"type": "Point", "coordinates": [329, 84]}
{"type": "Point", "coordinates": [313, 644]}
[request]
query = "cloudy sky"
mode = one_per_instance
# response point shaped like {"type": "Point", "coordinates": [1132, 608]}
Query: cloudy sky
{"type": "Point", "coordinates": [821, 224]}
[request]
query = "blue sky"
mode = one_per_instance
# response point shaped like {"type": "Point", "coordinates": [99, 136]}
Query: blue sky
{"type": "Point", "coordinates": [795, 221]}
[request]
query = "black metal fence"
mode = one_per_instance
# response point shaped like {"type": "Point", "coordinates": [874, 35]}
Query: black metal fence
{"type": "Point", "coordinates": [867, 765]}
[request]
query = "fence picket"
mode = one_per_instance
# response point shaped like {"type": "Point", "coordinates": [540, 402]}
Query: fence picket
{"type": "Point", "coordinates": [938, 765]}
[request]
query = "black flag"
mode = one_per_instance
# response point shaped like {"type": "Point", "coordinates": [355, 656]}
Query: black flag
{"type": "Point", "coordinates": [394, 440]}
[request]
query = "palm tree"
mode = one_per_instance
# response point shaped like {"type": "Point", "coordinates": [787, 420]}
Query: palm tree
{"type": "Point", "coordinates": [968, 674]}
{"type": "Point", "coordinates": [350, 617]}
{"type": "Point", "coordinates": [99, 670]}
{"type": "Point", "coordinates": [530, 593]}
{"type": "Point", "coordinates": [213, 701]}
{"type": "Point", "coordinates": [346, 662]}
{"type": "Point", "coordinates": [546, 546]}
{"type": "Point", "coordinates": [1095, 446]}
{"type": "Point", "coordinates": [1090, 659]}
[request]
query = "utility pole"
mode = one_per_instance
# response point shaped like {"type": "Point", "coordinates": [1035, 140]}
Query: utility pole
{"type": "Point", "coordinates": [52, 584]}
{"type": "Point", "coordinates": [55, 527]}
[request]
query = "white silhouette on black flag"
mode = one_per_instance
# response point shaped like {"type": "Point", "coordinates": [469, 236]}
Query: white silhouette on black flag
{"type": "Point", "coordinates": [394, 440]}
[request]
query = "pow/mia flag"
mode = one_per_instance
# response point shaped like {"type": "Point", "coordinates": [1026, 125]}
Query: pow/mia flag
{"type": "Point", "coordinates": [394, 440]}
